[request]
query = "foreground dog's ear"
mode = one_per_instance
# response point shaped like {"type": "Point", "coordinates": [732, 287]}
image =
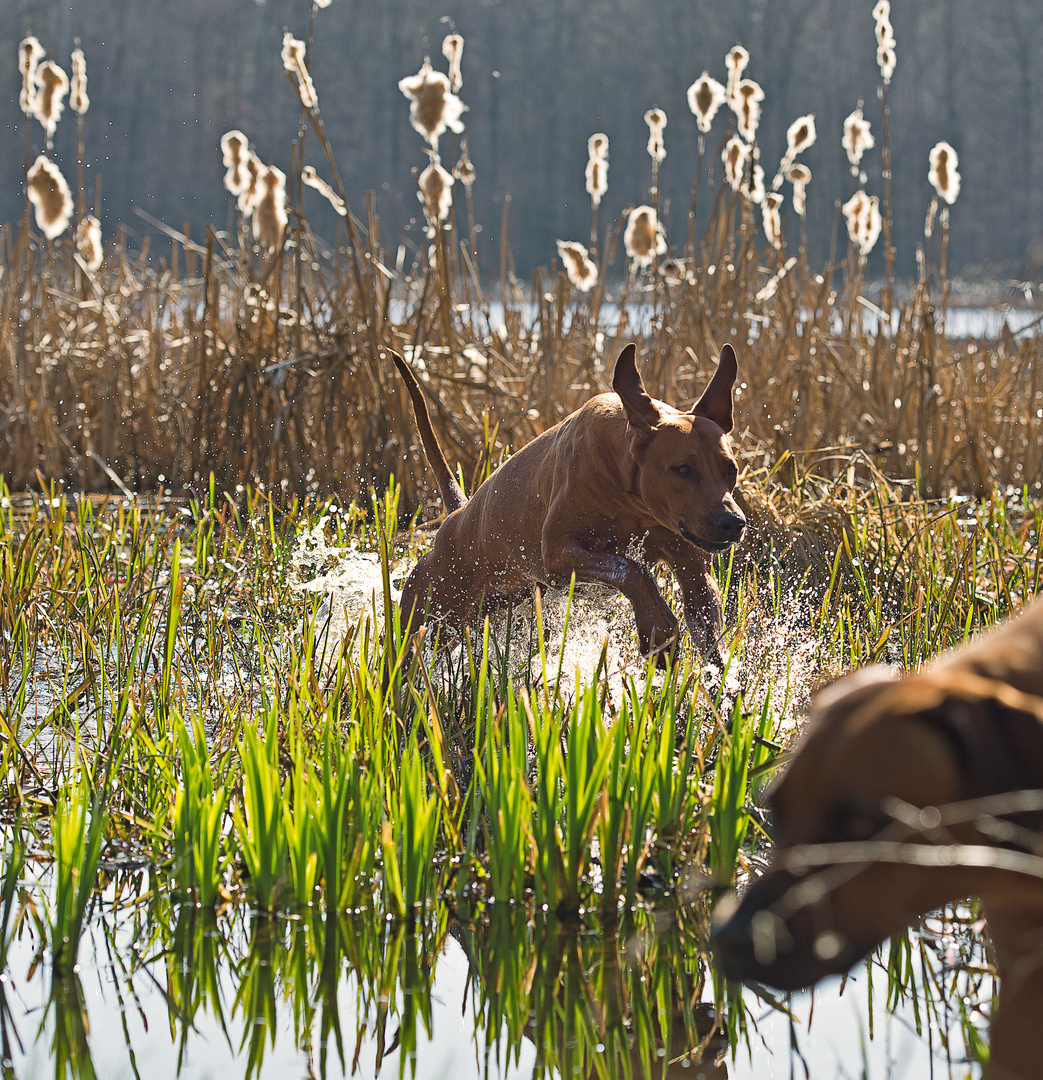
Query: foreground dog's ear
{"type": "Point", "coordinates": [626, 381]}
{"type": "Point", "coordinates": [716, 402]}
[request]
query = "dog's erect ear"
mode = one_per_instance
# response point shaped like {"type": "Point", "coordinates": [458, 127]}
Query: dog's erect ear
{"type": "Point", "coordinates": [716, 402]}
{"type": "Point", "coordinates": [626, 381]}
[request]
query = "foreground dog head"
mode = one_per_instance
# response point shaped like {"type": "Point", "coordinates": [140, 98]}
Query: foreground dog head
{"type": "Point", "coordinates": [685, 468]}
{"type": "Point", "coordinates": [860, 819]}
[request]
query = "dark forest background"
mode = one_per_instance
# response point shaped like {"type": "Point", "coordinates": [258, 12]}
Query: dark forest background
{"type": "Point", "coordinates": [167, 77]}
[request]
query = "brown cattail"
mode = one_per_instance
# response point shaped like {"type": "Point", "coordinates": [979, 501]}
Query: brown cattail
{"type": "Point", "coordinates": [644, 237]}
{"type": "Point", "coordinates": [799, 136]}
{"type": "Point", "coordinates": [50, 194]}
{"type": "Point", "coordinates": [235, 152]}
{"type": "Point", "coordinates": [88, 242]}
{"type": "Point", "coordinates": [252, 190]}
{"type": "Point", "coordinates": [943, 173]}
{"type": "Point", "coordinates": [433, 106]}
{"type": "Point", "coordinates": [857, 138]}
{"type": "Point", "coordinates": [736, 62]}
{"type": "Point", "coordinates": [30, 53]}
{"type": "Point", "coordinates": [436, 193]}
{"type": "Point", "coordinates": [453, 51]}
{"type": "Point", "coordinates": [799, 176]}
{"type": "Point", "coordinates": [735, 156]}
{"type": "Point", "coordinates": [754, 188]}
{"type": "Point", "coordinates": [772, 218]}
{"type": "Point", "coordinates": [705, 96]}
{"type": "Point", "coordinates": [313, 180]}
{"type": "Point", "coordinates": [52, 85]}
{"type": "Point", "coordinates": [269, 212]}
{"type": "Point", "coordinates": [464, 170]}
{"type": "Point", "coordinates": [582, 271]}
{"type": "Point", "coordinates": [78, 100]}
{"type": "Point", "coordinates": [748, 98]}
{"type": "Point", "coordinates": [656, 121]}
{"type": "Point", "coordinates": [294, 62]}
{"type": "Point", "coordinates": [597, 167]}
{"type": "Point", "coordinates": [864, 221]}
{"type": "Point", "coordinates": [885, 39]}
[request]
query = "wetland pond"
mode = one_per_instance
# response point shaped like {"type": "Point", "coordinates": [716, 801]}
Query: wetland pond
{"type": "Point", "coordinates": [186, 696]}
{"type": "Point", "coordinates": [162, 990]}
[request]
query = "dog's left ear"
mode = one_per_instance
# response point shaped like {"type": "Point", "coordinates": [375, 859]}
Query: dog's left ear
{"type": "Point", "coordinates": [716, 402]}
{"type": "Point", "coordinates": [626, 381]}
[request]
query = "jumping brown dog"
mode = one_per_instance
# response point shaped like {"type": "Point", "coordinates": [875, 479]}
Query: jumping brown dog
{"type": "Point", "coordinates": [623, 482]}
{"type": "Point", "coordinates": [905, 795]}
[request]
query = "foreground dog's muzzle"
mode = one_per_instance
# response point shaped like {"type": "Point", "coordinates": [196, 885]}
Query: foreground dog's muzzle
{"type": "Point", "coordinates": [756, 944]}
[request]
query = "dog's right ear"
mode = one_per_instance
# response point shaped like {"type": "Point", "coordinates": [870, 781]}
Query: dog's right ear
{"type": "Point", "coordinates": [626, 381]}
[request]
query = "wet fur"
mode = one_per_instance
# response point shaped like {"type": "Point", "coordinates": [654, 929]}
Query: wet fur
{"type": "Point", "coordinates": [623, 472]}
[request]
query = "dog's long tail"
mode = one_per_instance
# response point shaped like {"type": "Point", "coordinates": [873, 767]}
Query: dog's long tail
{"type": "Point", "coordinates": [452, 494]}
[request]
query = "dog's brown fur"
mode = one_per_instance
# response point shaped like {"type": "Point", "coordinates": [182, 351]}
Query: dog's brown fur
{"type": "Point", "coordinates": [623, 472]}
{"type": "Point", "coordinates": [968, 728]}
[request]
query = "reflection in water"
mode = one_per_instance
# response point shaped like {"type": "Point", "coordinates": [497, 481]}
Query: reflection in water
{"type": "Point", "coordinates": [176, 991]}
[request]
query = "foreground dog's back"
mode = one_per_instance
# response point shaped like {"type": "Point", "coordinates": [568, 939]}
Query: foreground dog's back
{"type": "Point", "coordinates": [874, 827]}
{"type": "Point", "coordinates": [623, 470]}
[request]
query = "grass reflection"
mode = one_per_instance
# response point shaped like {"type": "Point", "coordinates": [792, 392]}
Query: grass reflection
{"type": "Point", "coordinates": [364, 994]}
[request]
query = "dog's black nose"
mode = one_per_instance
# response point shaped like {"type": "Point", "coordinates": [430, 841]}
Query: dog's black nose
{"type": "Point", "coordinates": [730, 526]}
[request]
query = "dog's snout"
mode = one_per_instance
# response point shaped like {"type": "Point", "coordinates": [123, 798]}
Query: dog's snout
{"type": "Point", "coordinates": [730, 525]}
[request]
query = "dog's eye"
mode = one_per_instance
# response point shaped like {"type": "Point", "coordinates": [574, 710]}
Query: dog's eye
{"type": "Point", "coordinates": [731, 472]}
{"type": "Point", "coordinates": [686, 472]}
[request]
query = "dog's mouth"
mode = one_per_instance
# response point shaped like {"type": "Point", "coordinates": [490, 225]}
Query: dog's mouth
{"type": "Point", "coordinates": [712, 546]}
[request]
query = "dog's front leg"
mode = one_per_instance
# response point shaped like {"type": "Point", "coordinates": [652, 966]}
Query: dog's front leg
{"type": "Point", "coordinates": [656, 625]}
{"type": "Point", "coordinates": [702, 598]}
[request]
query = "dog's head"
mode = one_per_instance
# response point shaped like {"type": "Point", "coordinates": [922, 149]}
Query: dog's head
{"type": "Point", "coordinates": [686, 469]}
{"type": "Point", "coordinates": [860, 819]}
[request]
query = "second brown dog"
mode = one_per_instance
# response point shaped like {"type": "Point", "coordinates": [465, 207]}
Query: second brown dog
{"type": "Point", "coordinates": [905, 795]}
{"type": "Point", "coordinates": [620, 484]}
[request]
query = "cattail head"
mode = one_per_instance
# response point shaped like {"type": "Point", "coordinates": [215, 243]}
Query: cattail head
{"type": "Point", "coordinates": [772, 218]}
{"type": "Point", "coordinates": [433, 106]}
{"type": "Point", "coordinates": [453, 51]}
{"type": "Point", "coordinates": [736, 61]}
{"type": "Point", "coordinates": [747, 106]}
{"type": "Point", "coordinates": [30, 53]}
{"type": "Point", "coordinates": [800, 135]}
{"type": "Point", "coordinates": [644, 237]}
{"type": "Point", "coordinates": [705, 96]}
{"type": "Point", "coordinates": [799, 176]}
{"type": "Point", "coordinates": [943, 173]}
{"type": "Point", "coordinates": [235, 152]}
{"type": "Point", "coordinates": [886, 60]}
{"type": "Point", "coordinates": [269, 212]}
{"type": "Point", "coordinates": [754, 188]}
{"type": "Point", "coordinates": [857, 138]}
{"type": "Point", "coordinates": [735, 156]}
{"type": "Point", "coordinates": [50, 194]}
{"type": "Point", "coordinates": [252, 189]}
{"type": "Point", "coordinates": [656, 121]}
{"type": "Point", "coordinates": [582, 271]}
{"type": "Point", "coordinates": [294, 62]}
{"type": "Point", "coordinates": [436, 193]}
{"type": "Point", "coordinates": [597, 167]}
{"type": "Point", "coordinates": [464, 170]}
{"type": "Point", "coordinates": [88, 242]}
{"type": "Point", "coordinates": [52, 84]}
{"type": "Point", "coordinates": [78, 100]}
{"type": "Point", "coordinates": [322, 3]}
{"type": "Point", "coordinates": [885, 39]}
{"type": "Point", "coordinates": [310, 177]}
{"type": "Point", "coordinates": [864, 221]}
